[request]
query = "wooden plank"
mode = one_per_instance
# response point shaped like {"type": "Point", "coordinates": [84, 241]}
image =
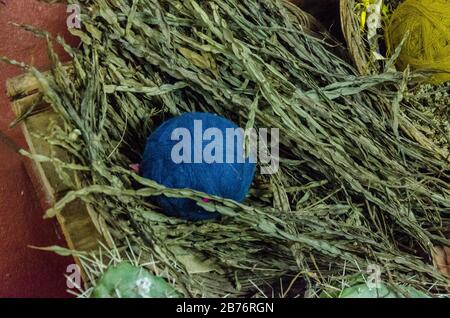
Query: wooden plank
{"type": "Point", "coordinates": [52, 184]}
{"type": "Point", "coordinates": [21, 86]}
{"type": "Point", "coordinates": [80, 225]}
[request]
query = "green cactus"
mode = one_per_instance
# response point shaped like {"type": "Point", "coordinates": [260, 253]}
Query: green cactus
{"type": "Point", "coordinates": [127, 281]}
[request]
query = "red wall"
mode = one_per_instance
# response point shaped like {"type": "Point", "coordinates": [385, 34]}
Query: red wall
{"type": "Point", "coordinates": [25, 272]}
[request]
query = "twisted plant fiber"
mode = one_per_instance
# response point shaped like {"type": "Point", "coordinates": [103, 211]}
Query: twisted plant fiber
{"type": "Point", "coordinates": [426, 23]}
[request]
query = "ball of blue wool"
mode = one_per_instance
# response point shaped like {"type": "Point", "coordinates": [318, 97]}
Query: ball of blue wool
{"type": "Point", "coordinates": [218, 177]}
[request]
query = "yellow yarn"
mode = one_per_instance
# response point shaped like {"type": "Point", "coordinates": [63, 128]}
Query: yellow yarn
{"type": "Point", "coordinates": [428, 44]}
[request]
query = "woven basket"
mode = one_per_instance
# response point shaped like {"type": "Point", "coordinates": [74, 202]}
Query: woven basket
{"type": "Point", "coordinates": [356, 44]}
{"type": "Point", "coordinates": [341, 13]}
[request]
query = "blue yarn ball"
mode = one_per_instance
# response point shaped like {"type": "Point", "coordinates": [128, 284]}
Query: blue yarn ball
{"type": "Point", "coordinates": [214, 177]}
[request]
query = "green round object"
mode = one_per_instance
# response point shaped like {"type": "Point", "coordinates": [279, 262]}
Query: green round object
{"type": "Point", "coordinates": [128, 281]}
{"type": "Point", "coordinates": [383, 291]}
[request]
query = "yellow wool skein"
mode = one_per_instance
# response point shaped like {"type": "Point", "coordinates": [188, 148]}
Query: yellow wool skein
{"type": "Point", "coordinates": [428, 44]}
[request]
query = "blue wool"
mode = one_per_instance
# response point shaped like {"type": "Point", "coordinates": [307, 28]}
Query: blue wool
{"type": "Point", "coordinates": [184, 137]}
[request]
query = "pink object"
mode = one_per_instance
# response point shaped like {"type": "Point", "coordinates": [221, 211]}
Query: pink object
{"type": "Point", "coordinates": [205, 200]}
{"type": "Point", "coordinates": [135, 167]}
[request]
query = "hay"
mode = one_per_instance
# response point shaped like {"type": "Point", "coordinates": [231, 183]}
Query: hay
{"type": "Point", "coordinates": [358, 184]}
